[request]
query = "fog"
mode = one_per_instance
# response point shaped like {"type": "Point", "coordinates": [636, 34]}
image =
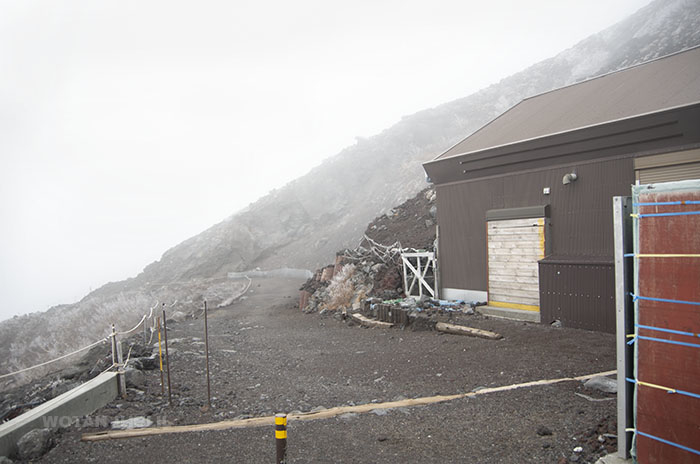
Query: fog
{"type": "Point", "coordinates": [127, 127]}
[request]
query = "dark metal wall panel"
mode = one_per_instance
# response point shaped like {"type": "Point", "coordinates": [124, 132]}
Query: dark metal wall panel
{"type": "Point", "coordinates": [579, 294]}
{"type": "Point", "coordinates": [580, 215]}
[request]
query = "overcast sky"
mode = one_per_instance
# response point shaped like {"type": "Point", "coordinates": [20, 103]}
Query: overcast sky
{"type": "Point", "coordinates": [127, 127]}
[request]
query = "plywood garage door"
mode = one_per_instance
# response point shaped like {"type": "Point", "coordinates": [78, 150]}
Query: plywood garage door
{"type": "Point", "coordinates": [515, 246]}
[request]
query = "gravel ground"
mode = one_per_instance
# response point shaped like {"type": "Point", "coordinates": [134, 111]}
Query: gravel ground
{"type": "Point", "coordinates": [268, 357]}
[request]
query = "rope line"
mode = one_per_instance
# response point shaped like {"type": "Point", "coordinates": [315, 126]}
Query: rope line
{"type": "Point", "coordinates": [661, 387]}
{"type": "Point", "coordinates": [685, 213]}
{"type": "Point", "coordinates": [669, 203]}
{"type": "Point", "coordinates": [54, 360]}
{"type": "Point", "coordinates": [659, 329]}
{"type": "Point", "coordinates": [663, 300]}
{"type": "Point", "coordinates": [662, 440]}
{"type": "Point", "coordinates": [135, 327]}
{"type": "Point", "coordinates": [672, 342]}
{"type": "Point", "coordinates": [662, 255]}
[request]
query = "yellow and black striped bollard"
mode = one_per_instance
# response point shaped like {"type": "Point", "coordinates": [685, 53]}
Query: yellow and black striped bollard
{"type": "Point", "coordinates": [281, 437]}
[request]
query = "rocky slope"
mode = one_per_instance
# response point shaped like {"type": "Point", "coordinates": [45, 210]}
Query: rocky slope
{"type": "Point", "coordinates": [306, 221]}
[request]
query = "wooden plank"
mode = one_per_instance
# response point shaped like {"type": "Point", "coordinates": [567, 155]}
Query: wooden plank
{"type": "Point", "coordinates": [507, 298]}
{"type": "Point", "coordinates": [527, 231]}
{"type": "Point", "coordinates": [525, 272]}
{"type": "Point", "coordinates": [370, 322]}
{"type": "Point", "coordinates": [514, 278]}
{"type": "Point", "coordinates": [527, 290]}
{"type": "Point", "coordinates": [326, 413]}
{"type": "Point", "coordinates": [512, 237]}
{"type": "Point", "coordinates": [464, 330]}
{"type": "Point", "coordinates": [513, 294]}
{"type": "Point", "coordinates": [508, 244]}
{"type": "Point", "coordinates": [531, 261]}
{"type": "Point", "coordinates": [530, 252]}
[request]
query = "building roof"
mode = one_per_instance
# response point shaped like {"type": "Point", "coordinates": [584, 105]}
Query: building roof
{"type": "Point", "coordinates": [650, 87]}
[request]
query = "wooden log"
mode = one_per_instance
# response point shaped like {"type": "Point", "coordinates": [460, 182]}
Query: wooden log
{"type": "Point", "coordinates": [464, 330]}
{"type": "Point", "coordinates": [323, 414]}
{"type": "Point", "coordinates": [370, 322]}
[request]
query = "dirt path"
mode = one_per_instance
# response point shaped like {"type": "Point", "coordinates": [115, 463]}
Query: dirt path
{"type": "Point", "coordinates": [268, 357]}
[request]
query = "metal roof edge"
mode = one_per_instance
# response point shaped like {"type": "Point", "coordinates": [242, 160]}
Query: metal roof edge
{"type": "Point", "coordinates": [542, 137]}
{"type": "Point", "coordinates": [593, 78]}
{"type": "Point", "coordinates": [491, 121]}
{"type": "Point", "coordinates": [685, 50]}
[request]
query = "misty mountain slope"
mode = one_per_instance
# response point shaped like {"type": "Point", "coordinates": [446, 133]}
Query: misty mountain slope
{"type": "Point", "coordinates": [303, 223]}
{"type": "Point", "coordinates": [334, 201]}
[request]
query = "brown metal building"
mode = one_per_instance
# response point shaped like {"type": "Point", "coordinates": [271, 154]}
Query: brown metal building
{"type": "Point", "coordinates": [525, 202]}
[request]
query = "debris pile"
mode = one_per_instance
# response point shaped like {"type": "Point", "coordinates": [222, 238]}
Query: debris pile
{"type": "Point", "coordinates": [368, 279]}
{"type": "Point", "coordinates": [373, 268]}
{"type": "Point", "coordinates": [370, 269]}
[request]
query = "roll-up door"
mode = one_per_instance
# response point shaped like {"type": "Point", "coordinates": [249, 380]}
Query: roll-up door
{"type": "Point", "coordinates": [668, 167]}
{"type": "Point", "coordinates": [514, 247]}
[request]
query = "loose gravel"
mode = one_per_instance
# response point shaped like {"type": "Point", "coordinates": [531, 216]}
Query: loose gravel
{"type": "Point", "coordinates": [268, 357]}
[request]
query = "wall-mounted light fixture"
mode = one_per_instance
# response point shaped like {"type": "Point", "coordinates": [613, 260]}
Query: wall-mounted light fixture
{"type": "Point", "coordinates": [569, 178]}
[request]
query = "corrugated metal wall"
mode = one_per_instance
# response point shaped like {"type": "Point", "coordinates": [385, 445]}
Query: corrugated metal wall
{"type": "Point", "coordinates": [581, 215]}
{"type": "Point", "coordinates": [580, 294]}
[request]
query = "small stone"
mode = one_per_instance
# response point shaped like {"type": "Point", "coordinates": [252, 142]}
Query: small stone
{"type": "Point", "coordinates": [134, 377]}
{"type": "Point", "coordinates": [139, 422]}
{"type": "Point", "coordinates": [600, 383]}
{"type": "Point", "coordinates": [543, 431]}
{"type": "Point", "coordinates": [34, 444]}
{"type": "Point", "coordinates": [574, 458]}
{"type": "Point", "coordinates": [382, 438]}
{"type": "Point", "coordinates": [578, 449]}
{"type": "Point", "coordinates": [379, 412]}
{"type": "Point", "coordinates": [148, 363]}
{"type": "Point", "coordinates": [546, 445]}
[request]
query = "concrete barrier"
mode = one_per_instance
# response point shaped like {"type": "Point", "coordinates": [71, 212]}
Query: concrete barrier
{"type": "Point", "coordinates": [77, 402]}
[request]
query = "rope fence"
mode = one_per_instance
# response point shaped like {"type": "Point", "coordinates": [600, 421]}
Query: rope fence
{"type": "Point", "coordinates": [91, 345]}
{"type": "Point", "coordinates": [106, 339]}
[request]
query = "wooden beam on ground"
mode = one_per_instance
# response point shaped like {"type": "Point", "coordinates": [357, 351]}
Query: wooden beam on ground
{"type": "Point", "coordinates": [371, 322]}
{"type": "Point", "coordinates": [324, 414]}
{"type": "Point", "coordinates": [464, 330]}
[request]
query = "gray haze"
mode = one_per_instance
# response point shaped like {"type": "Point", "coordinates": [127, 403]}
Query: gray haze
{"type": "Point", "coordinates": [126, 127]}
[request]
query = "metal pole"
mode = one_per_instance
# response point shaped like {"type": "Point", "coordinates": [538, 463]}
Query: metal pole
{"type": "Point", "coordinates": [281, 437]}
{"type": "Point", "coordinates": [624, 322]}
{"type": "Point", "coordinates": [121, 374]}
{"type": "Point", "coordinates": [167, 357]}
{"type": "Point", "coordinates": [206, 347]}
{"type": "Point", "coordinates": [160, 358]}
{"type": "Point", "coordinates": [114, 345]}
